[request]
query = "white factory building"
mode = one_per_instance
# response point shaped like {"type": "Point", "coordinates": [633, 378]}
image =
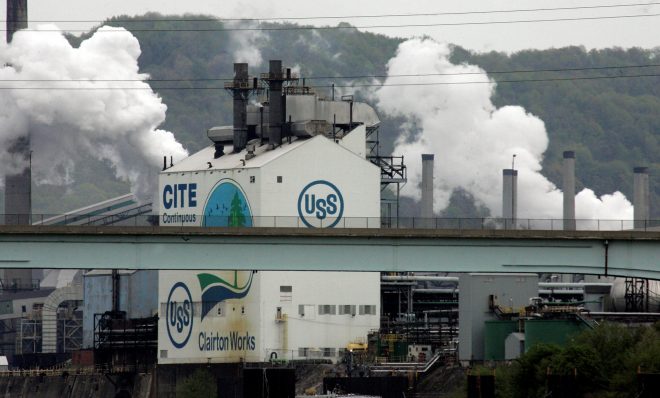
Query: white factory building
{"type": "Point", "coordinates": [312, 173]}
{"type": "Point", "coordinates": [309, 181]}
{"type": "Point", "coordinates": [284, 315]}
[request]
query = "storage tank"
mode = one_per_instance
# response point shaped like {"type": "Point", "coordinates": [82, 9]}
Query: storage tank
{"type": "Point", "coordinates": [618, 295]}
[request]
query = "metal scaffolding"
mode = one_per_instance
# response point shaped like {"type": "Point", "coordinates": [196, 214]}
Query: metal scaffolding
{"type": "Point", "coordinates": [68, 329]}
{"type": "Point", "coordinates": [119, 341]}
{"type": "Point", "coordinates": [392, 172]}
{"type": "Point", "coordinates": [636, 295]}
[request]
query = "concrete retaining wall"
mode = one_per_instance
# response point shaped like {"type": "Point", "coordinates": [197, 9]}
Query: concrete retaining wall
{"type": "Point", "coordinates": [76, 386]}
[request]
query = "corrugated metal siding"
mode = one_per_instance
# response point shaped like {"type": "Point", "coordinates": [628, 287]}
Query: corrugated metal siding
{"type": "Point", "coordinates": [138, 297]}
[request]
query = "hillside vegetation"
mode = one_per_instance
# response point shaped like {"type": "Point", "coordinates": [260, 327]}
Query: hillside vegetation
{"type": "Point", "coordinates": [613, 124]}
{"type": "Point", "coordinates": [603, 362]}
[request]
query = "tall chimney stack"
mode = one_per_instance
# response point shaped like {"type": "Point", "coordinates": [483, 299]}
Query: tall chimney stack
{"type": "Point", "coordinates": [276, 110]}
{"type": "Point", "coordinates": [568, 180]}
{"type": "Point", "coordinates": [509, 197]}
{"type": "Point", "coordinates": [17, 17]}
{"type": "Point", "coordinates": [427, 185]}
{"type": "Point", "coordinates": [18, 187]}
{"type": "Point", "coordinates": [18, 206]}
{"type": "Point", "coordinates": [641, 196]}
{"type": "Point", "coordinates": [240, 94]}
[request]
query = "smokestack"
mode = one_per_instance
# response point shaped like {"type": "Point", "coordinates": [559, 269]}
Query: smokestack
{"type": "Point", "coordinates": [18, 187]}
{"type": "Point", "coordinates": [427, 185]}
{"type": "Point", "coordinates": [641, 196]}
{"type": "Point", "coordinates": [276, 111]}
{"type": "Point", "coordinates": [568, 180]}
{"type": "Point", "coordinates": [18, 206]}
{"type": "Point", "coordinates": [240, 94]}
{"type": "Point", "coordinates": [509, 197]}
{"type": "Point", "coordinates": [17, 17]}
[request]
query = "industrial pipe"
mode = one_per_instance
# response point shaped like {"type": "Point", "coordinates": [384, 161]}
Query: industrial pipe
{"type": "Point", "coordinates": [409, 278]}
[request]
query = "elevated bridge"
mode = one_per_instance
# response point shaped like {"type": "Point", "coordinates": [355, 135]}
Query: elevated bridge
{"type": "Point", "coordinates": [615, 253]}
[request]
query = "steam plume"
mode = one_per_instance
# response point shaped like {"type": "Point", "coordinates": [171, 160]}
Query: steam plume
{"type": "Point", "coordinates": [473, 140]}
{"type": "Point", "coordinates": [118, 125]}
{"type": "Point", "coordinates": [246, 44]}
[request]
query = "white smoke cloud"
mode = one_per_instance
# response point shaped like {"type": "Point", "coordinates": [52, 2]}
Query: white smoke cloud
{"type": "Point", "coordinates": [472, 139]}
{"type": "Point", "coordinates": [246, 44]}
{"type": "Point", "coordinates": [118, 125]}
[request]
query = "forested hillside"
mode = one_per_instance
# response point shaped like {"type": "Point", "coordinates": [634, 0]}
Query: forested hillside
{"type": "Point", "coordinates": [613, 124]}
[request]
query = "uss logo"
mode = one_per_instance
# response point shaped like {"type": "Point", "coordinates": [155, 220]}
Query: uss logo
{"type": "Point", "coordinates": [320, 201]}
{"type": "Point", "coordinates": [179, 315]}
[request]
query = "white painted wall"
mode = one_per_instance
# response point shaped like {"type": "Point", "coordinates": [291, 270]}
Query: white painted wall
{"type": "Point", "coordinates": [356, 141]}
{"type": "Point", "coordinates": [237, 316]}
{"type": "Point", "coordinates": [312, 330]}
{"type": "Point", "coordinates": [357, 180]}
{"type": "Point", "coordinates": [257, 315]}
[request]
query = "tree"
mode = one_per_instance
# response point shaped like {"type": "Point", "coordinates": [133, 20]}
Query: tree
{"type": "Point", "coordinates": [201, 384]}
{"type": "Point", "coordinates": [604, 362]}
{"type": "Point", "coordinates": [236, 215]}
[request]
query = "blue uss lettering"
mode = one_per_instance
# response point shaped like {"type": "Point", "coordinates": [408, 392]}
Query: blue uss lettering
{"type": "Point", "coordinates": [320, 207]}
{"type": "Point", "coordinates": [179, 315]}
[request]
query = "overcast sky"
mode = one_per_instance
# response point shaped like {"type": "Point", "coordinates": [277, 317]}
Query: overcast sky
{"type": "Point", "coordinates": [625, 32]}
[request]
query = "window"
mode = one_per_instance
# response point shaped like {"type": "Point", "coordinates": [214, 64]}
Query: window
{"type": "Point", "coordinates": [367, 310]}
{"type": "Point", "coordinates": [346, 310]}
{"type": "Point", "coordinates": [329, 352]}
{"type": "Point", "coordinates": [286, 293]}
{"type": "Point", "coordinates": [303, 351]}
{"type": "Point", "coordinates": [327, 309]}
{"type": "Point", "coordinates": [301, 310]}
{"type": "Point", "coordinates": [279, 179]}
{"type": "Point", "coordinates": [252, 179]}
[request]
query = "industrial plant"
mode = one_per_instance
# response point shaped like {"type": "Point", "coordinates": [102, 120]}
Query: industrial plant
{"type": "Point", "coordinates": [293, 158]}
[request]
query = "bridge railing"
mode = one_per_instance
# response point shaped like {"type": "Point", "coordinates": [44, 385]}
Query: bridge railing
{"type": "Point", "coordinates": [240, 220]}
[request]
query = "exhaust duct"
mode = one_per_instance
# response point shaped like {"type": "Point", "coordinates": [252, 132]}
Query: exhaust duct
{"type": "Point", "coordinates": [427, 185]}
{"type": "Point", "coordinates": [641, 196]}
{"type": "Point", "coordinates": [240, 93]}
{"type": "Point", "coordinates": [276, 101]}
{"type": "Point", "coordinates": [17, 17]}
{"type": "Point", "coordinates": [568, 180]}
{"type": "Point", "coordinates": [509, 198]}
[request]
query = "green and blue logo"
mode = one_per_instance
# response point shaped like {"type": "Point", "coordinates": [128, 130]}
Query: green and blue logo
{"type": "Point", "coordinates": [227, 206]}
{"type": "Point", "coordinates": [216, 290]}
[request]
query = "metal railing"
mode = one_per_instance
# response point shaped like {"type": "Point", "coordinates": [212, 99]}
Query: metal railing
{"type": "Point", "coordinates": [193, 220]}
